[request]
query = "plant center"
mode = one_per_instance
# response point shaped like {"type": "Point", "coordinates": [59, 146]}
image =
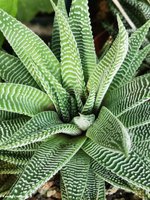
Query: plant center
{"type": "Point", "coordinates": [84, 121]}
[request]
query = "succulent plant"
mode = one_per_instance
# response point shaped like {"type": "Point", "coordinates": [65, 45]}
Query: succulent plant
{"type": "Point", "coordinates": [63, 110]}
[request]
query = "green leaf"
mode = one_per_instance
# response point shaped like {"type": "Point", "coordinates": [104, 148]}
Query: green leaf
{"type": "Point", "coordinates": [9, 127]}
{"type": "Point", "coordinates": [89, 105]}
{"type": "Point", "coordinates": [23, 99]}
{"type": "Point", "coordinates": [53, 154]}
{"type": "Point", "coordinates": [13, 71]}
{"type": "Point", "coordinates": [109, 132]}
{"type": "Point", "coordinates": [138, 61]}
{"type": "Point", "coordinates": [129, 66]}
{"type": "Point", "coordinates": [28, 9]}
{"type": "Point", "coordinates": [4, 115]}
{"type": "Point", "coordinates": [38, 59]}
{"type": "Point", "coordinates": [30, 147]}
{"type": "Point", "coordinates": [105, 71]}
{"type": "Point", "coordinates": [137, 116]}
{"type": "Point", "coordinates": [17, 158]}
{"type": "Point", "coordinates": [74, 175]}
{"type": "Point", "coordinates": [95, 188]}
{"type": "Point", "coordinates": [129, 95]}
{"type": "Point", "coordinates": [132, 168]}
{"type": "Point", "coordinates": [7, 168]}
{"type": "Point", "coordinates": [55, 41]}
{"type": "Point", "coordinates": [56, 92]}
{"type": "Point", "coordinates": [10, 6]}
{"type": "Point", "coordinates": [140, 137]}
{"type": "Point", "coordinates": [40, 127]}
{"type": "Point", "coordinates": [31, 50]}
{"type": "Point", "coordinates": [110, 177]}
{"type": "Point", "coordinates": [71, 68]}
{"type": "Point", "coordinates": [80, 25]}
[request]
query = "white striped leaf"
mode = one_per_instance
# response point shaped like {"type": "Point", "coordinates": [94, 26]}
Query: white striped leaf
{"type": "Point", "coordinates": [23, 99]}
{"type": "Point", "coordinates": [74, 175]}
{"type": "Point", "coordinates": [128, 68]}
{"type": "Point", "coordinates": [110, 177]}
{"type": "Point", "coordinates": [37, 58]}
{"type": "Point", "coordinates": [4, 115]}
{"type": "Point", "coordinates": [40, 127]}
{"type": "Point", "coordinates": [95, 188]}
{"type": "Point", "coordinates": [129, 95]}
{"type": "Point", "coordinates": [131, 168]}
{"type": "Point", "coordinates": [109, 132]}
{"type": "Point", "coordinates": [142, 149]}
{"type": "Point", "coordinates": [63, 190]}
{"type": "Point", "coordinates": [53, 154]}
{"type": "Point", "coordinates": [28, 46]}
{"type": "Point", "coordinates": [17, 158]}
{"type": "Point", "coordinates": [73, 105]}
{"type": "Point", "coordinates": [80, 25]}
{"type": "Point", "coordinates": [55, 42]}
{"type": "Point", "coordinates": [89, 105]}
{"type": "Point", "coordinates": [105, 71]}
{"type": "Point", "coordinates": [29, 147]}
{"type": "Point", "coordinates": [138, 61]}
{"type": "Point", "coordinates": [71, 68]}
{"type": "Point", "coordinates": [140, 133]}
{"type": "Point", "coordinates": [7, 168]}
{"type": "Point", "coordinates": [137, 116]}
{"type": "Point", "coordinates": [56, 92]}
{"type": "Point", "coordinates": [13, 71]}
{"type": "Point", "coordinates": [140, 137]}
{"type": "Point", "coordinates": [9, 127]}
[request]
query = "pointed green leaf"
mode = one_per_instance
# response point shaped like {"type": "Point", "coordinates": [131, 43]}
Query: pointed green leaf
{"type": "Point", "coordinates": [23, 99]}
{"type": "Point", "coordinates": [138, 61]}
{"type": "Point", "coordinates": [29, 147]}
{"type": "Point", "coordinates": [71, 68]}
{"type": "Point", "coordinates": [17, 158]}
{"type": "Point", "coordinates": [55, 42]}
{"type": "Point", "coordinates": [28, 46]}
{"type": "Point", "coordinates": [56, 92]}
{"type": "Point", "coordinates": [110, 177]}
{"type": "Point", "coordinates": [132, 168]}
{"type": "Point", "coordinates": [7, 168]}
{"type": "Point", "coordinates": [140, 133]}
{"type": "Point", "coordinates": [40, 127]}
{"type": "Point", "coordinates": [13, 71]}
{"type": "Point", "coordinates": [9, 127]}
{"type": "Point", "coordinates": [140, 137]}
{"type": "Point", "coordinates": [95, 188]}
{"type": "Point", "coordinates": [109, 132]}
{"type": "Point", "coordinates": [89, 105]}
{"type": "Point", "coordinates": [46, 162]}
{"type": "Point", "coordinates": [80, 25]}
{"type": "Point", "coordinates": [37, 58]}
{"type": "Point", "coordinates": [4, 115]}
{"type": "Point", "coordinates": [142, 149]}
{"type": "Point", "coordinates": [74, 175]}
{"type": "Point", "coordinates": [128, 68]}
{"type": "Point", "coordinates": [129, 95]}
{"type": "Point", "coordinates": [105, 71]}
{"type": "Point", "coordinates": [137, 116]}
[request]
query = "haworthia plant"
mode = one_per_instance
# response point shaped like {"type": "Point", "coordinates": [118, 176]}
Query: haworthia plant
{"type": "Point", "coordinates": [64, 111]}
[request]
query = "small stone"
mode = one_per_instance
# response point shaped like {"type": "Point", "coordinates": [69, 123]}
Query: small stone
{"type": "Point", "coordinates": [45, 187]}
{"type": "Point", "coordinates": [51, 193]}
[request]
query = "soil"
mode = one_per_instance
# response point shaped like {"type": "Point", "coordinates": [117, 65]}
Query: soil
{"type": "Point", "coordinates": [51, 191]}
